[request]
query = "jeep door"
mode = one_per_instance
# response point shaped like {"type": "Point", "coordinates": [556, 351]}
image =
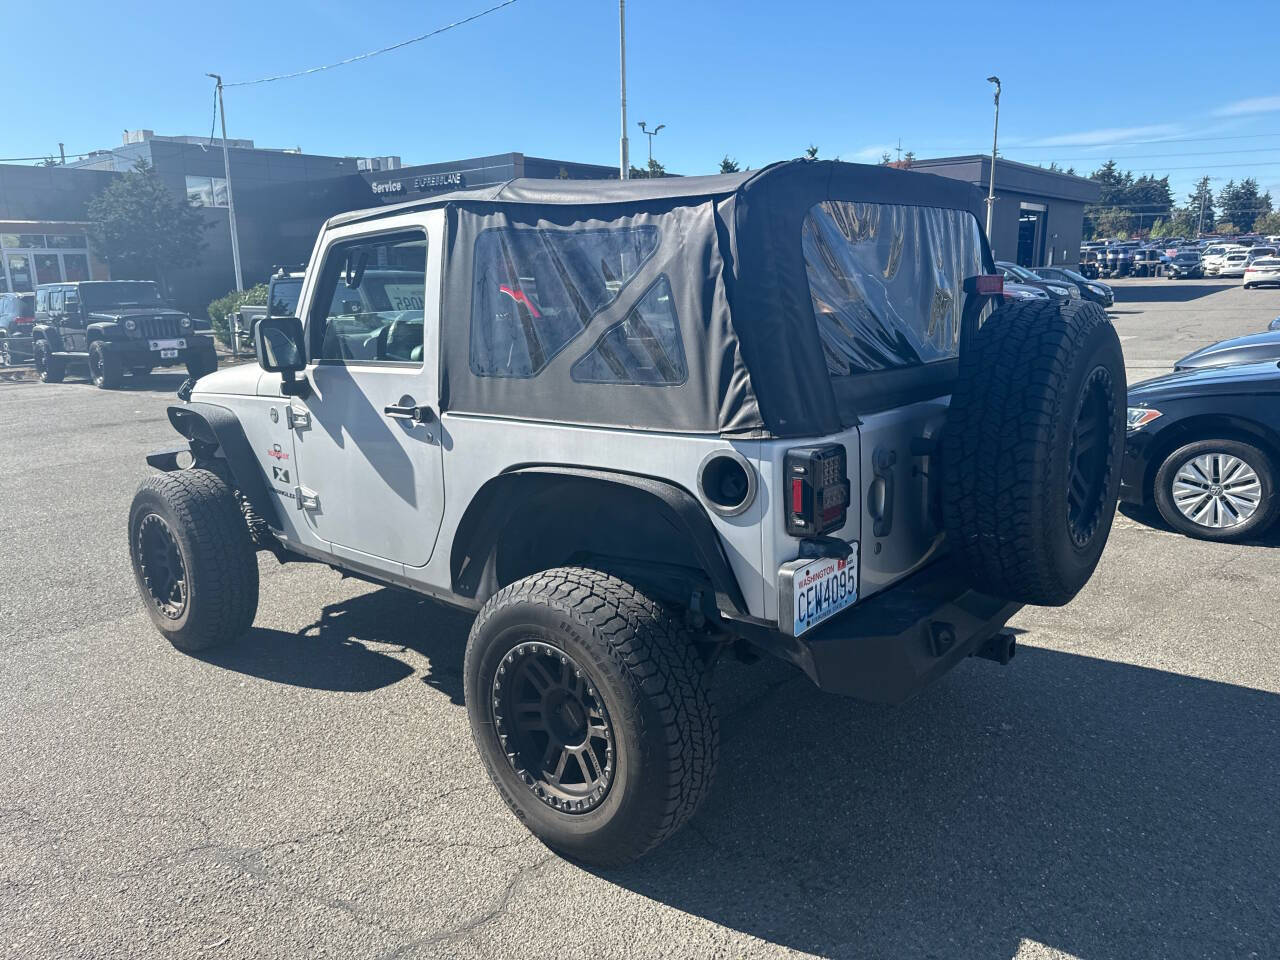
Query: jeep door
{"type": "Point", "coordinates": [366, 444]}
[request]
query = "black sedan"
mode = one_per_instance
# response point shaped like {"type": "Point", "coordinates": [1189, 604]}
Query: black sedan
{"type": "Point", "coordinates": [1184, 265]}
{"type": "Point", "coordinates": [1095, 290]}
{"type": "Point", "coordinates": [1056, 289]}
{"type": "Point", "coordinates": [1254, 348]}
{"type": "Point", "coordinates": [1203, 447]}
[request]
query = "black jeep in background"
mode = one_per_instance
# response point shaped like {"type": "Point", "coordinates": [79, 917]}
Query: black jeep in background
{"type": "Point", "coordinates": [114, 327]}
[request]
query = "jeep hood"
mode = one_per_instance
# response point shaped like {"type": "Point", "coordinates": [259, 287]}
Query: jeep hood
{"type": "Point", "coordinates": [123, 313]}
{"type": "Point", "coordinates": [1207, 381]}
{"type": "Point", "coordinates": [1254, 348]}
{"type": "Point", "coordinates": [241, 380]}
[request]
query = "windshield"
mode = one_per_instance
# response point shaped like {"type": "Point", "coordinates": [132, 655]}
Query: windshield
{"type": "Point", "coordinates": [1187, 257]}
{"type": "Point", "coordinates": [1072, 275]}
{"type": "Point", "coordinates": [117, 293]}
{"type": "Point", "coordinates": [284, 297]}
{"type": "Point", "coordinates": [1022, 273]}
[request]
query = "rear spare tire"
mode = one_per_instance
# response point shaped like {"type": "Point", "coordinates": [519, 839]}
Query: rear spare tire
{"type": "Point", "coordinates": [1031, 453]}
{"type": "Point", "coordinates": [590, 709]}
{"type": "Point", "coordinates": [193, 559]}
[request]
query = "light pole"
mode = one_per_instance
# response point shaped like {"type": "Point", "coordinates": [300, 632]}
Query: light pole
{"type": "Point", "coordinates": [650, 134]}
{"type": "Point", "coordinates": [624, 162]}
{"type": "Point", "coordinates": [226, 169]}
{"type": "Point", "coordinates": [991, 186]}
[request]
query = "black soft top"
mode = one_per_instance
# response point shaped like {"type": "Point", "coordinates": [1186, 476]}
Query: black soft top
{"type": "Point", "coordinates": [732, 254]}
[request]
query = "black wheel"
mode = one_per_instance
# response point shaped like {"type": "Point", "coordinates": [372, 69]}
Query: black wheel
{"type": "Point", "coordinates": [1217, 490]}
{"type": "Point", "coordinates": [1032, 450]}
{"type": "Point", "coordinates": [193, 559]}
{"type": "Point", "coordinates": [590, 709]}
{"type": "Point", "coordinates": [49, 369]}
{"type": "Point", "coordinates": [105, 369]}
{"type": "Point", "coordinates": [140, 372]}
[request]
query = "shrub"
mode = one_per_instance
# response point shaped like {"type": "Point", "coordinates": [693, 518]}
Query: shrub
{"type": "Point", "coordinates": [230, 303]}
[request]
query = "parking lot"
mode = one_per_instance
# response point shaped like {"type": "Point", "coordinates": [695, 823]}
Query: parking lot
{"type": "Point", "coordinates": [314, 790]}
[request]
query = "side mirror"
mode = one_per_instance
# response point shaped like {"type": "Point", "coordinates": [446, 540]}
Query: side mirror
{"type": "Point", "coordinates": [280, 345]}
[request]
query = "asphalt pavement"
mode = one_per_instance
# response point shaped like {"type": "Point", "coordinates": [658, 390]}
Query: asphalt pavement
{"type": "Point", "coordinates": [313, 791]}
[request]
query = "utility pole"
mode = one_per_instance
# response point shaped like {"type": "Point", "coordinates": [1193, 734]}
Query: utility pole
{"type": "Point", "coordinates": [991, 187]}
{"type": "Point", "coordinates": [1203, 193]}
{"type": "Point", "coordinates": [624, 162]}
{"type": "Point", "coordinates": [231, 203]}
{"type": "Point", "coordinates": [651, 134]}
{"type": "Point", "coordinates": [62, 153]}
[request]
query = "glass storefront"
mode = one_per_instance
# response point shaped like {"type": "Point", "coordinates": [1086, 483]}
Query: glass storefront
{"type": "Point", "coordinates": [28, 259]}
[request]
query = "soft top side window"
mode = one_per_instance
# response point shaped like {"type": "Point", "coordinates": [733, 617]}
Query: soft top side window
{"type": "Point", "coordinates": [535, 290]}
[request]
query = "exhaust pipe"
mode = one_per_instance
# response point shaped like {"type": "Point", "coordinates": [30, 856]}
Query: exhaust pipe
{"type": "Point", "coordinates": [999, 648]}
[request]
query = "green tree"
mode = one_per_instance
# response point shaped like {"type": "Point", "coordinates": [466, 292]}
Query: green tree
{"type": "Point", "coordinates": [811, 152]}
{"type": "Point", "coordinates": [729, 165]}
{"type": "Point", "coordinates": [1268, 223]}
{"type": "Point", "coordinates": [1242, 204]}
{"type": "Point", "coordinates": [651, 172]}
{"type": "Point", "coordinates": [142, 229]}
{"type": "Point", "coordinates": [885, 159]}
{"type": "Point", "coordinates": [230, 303]}
{"type": "Point", "coordinates": [1149, 199]}
{"type": "Point", "coordinates": [1202, 198]}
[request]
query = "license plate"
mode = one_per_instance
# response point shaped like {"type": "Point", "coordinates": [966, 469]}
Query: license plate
{"type": "Point", "coordinates": [168, 354]}
{"type": "Point", "coordinates": [819, 589]}
{"type": "Point", "coordinates": [168, 344]}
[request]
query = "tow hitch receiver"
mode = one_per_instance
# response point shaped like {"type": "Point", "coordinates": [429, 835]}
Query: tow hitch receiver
{"type": "Point", "coordinates": [999, 648]}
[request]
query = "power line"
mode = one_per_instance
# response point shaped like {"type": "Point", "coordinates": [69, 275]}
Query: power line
{"type": "Point", "coordinates": [373, 53]}
{"type": "Point", "coordinates": [1158, 156]}
{"type": "Point", "coordinates": [1130, 143]}
{"type": "Point", "coordinates": [46, 156]}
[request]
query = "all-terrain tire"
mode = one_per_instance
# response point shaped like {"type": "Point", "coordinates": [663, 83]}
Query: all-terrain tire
{"type": "Point", "coordinates": [650, 679]}
{"type": "Point", "coordinates": [1029, 487]}
{"type": "Point", "coordinates": [50, 369]}
{"type": "Point", "coordinates": [105, 368]}
{"type": "Point", "coordinates": [218, 594]}
{"type": "Point", "coordinates": [1262, 491]}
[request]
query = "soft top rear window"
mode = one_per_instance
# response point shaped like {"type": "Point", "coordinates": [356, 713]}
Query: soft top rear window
{"type": "Point", "coordinates": [887, 282]}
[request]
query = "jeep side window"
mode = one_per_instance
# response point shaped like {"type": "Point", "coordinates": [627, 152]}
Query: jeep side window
{"type": "Point", "coordinates": [369, 302]}
{"type": "Point", "coordinates": [535, 290]}
{"type": "Point", "coordinates": [42, 301]}
{"type": "Point", "coordinates": [887, 282]}
{"type": "Point", "coordinates": [644, 348]}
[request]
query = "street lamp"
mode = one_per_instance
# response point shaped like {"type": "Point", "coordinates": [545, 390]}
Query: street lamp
{"type": "Point", "coordinates": [650, 134]}
{"type": "Point", "coordinates": [991, 187]}
{"type": "Point", "coordinates": [624, 149]}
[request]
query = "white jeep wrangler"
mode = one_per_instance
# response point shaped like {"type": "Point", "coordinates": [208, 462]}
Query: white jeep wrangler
{"type": "Point", "coordinates": [635, 425]}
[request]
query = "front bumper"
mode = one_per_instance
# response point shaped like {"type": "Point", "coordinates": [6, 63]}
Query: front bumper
{"type": "Point", "coordinates": [138, 353]}
{"type": "Point", "coordinates": [890, 646]}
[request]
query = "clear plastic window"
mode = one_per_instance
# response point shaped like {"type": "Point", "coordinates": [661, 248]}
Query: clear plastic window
{"type": "Point", "coordinates": [643, 348]}
{"type": "Point", "coordinates": [887, 282]}
{"type": "Point", "coordinates": [369, 303]}
{"type": "Point", "coordinates": [535, 290]}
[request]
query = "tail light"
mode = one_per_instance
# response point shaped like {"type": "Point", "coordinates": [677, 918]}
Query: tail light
{"type": "Point", "coordinates": [817, 489]}
{"type": "Point", "coordinates": [23, 321]}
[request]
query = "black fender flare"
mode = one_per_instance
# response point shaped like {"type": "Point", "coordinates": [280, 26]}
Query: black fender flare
{"type": "Point", "coordinates": [492, 508]}
{"type": "Point", "coordinates": [210, 425]}
{"type": "Point", "coordinates": [101, 330]}
{"type": "Point", "coordinates": [48, 333]}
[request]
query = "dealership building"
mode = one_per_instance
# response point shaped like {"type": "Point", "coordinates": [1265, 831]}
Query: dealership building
{"type": "Point", "coordinates": [282, 197]}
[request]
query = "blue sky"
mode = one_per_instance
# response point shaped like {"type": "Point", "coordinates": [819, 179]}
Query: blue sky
{"type": "Point", "coordinates": [758, 80]}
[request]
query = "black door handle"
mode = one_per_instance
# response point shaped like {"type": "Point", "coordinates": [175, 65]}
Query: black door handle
{"type": "Point", "coordinates": [414, 414]}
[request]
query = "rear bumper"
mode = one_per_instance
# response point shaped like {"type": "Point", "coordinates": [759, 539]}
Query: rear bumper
{"type": "Point", "coordinates": [889, 647]}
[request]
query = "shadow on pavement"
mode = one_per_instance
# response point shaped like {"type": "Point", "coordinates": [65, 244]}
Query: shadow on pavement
{"type": "Point", "coordinates": [1150, 517]}
{"type": "Point", "coordinates": [1164, 291]}
{"type": "Point", "coordinates": [332, 653]}
{"type": "Point", "coordinates": [1101, 809]}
